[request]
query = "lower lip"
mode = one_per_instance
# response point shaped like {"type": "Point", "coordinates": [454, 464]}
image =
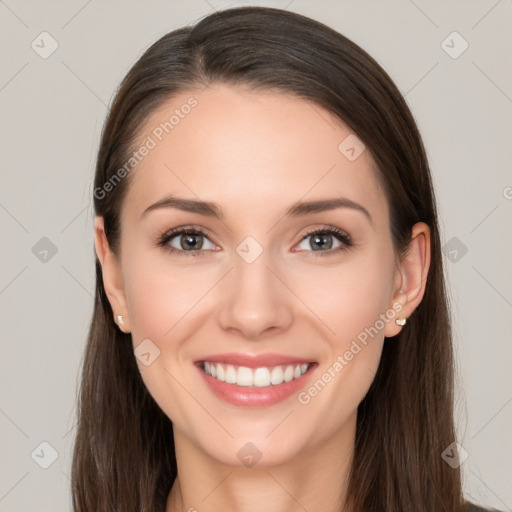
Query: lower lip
{"type": "Point", "coordinates": [251, 396]}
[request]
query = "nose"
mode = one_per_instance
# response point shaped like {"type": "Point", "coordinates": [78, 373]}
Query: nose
{"type": "Point", "coordinates": [254, 300]}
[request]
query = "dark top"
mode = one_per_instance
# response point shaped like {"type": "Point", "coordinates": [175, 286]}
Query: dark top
{"type": "Point", "coordinates": [477, 508]}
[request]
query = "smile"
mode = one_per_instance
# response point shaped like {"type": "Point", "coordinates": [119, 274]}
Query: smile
{"type": "Point", "coordinates": [258, 377]}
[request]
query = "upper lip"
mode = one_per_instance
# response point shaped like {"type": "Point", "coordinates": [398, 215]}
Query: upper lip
{"type": "Point", "coordinates": [254, 361]}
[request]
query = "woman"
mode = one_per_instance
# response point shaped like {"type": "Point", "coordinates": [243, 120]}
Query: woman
{"type": "Point", "coordinates": [270, 328]}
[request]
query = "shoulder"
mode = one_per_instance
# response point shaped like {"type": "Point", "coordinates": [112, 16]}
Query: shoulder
{"type": "Point", "coordinates": [472, 507]}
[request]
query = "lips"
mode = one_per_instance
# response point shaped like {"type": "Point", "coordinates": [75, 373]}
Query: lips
{"type": "Point", "coordinates": [255, 381]}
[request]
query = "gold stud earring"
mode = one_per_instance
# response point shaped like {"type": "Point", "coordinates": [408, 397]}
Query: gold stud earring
{"type": "Point", "coordinates": [401, 321]}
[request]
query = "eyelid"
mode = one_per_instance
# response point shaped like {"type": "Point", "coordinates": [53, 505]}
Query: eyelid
{"type": "Point", "coordinates": [188, 227]}
{"type": "Point", "coordinates": [327, 229]}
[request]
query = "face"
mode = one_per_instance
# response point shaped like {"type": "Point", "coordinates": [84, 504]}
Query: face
{"type": "Point", "coordinates": [252, 286]}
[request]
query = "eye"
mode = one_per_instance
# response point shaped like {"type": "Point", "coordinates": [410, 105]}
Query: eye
{"type": "Point", "coordinates": [190, 241]}
{"type": "Point", "coordinates": [322, 241]}
{"type": "Point", "coordinates": [181, 241]}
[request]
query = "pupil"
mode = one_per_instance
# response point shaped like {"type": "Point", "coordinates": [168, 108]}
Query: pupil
{"type": "Point", "coordinates": [319, 241]}
{"type": "Point", "coordinates": [190, 242]}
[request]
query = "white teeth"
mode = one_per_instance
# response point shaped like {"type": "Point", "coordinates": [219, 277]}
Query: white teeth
{"type": "Point", "coordinates": [230, 374]}
{"type": "Point", "coordinates": [288, 373]}
{"type": "Point", "coordinates": [259, 377]}
{"type": "Point", "coordinates": [243, 376]}
{"type": "Point", "coordinates": [276, 375]}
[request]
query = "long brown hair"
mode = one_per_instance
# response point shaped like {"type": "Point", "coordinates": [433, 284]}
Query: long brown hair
{"type": "Point", "coordinates": [124, 458]}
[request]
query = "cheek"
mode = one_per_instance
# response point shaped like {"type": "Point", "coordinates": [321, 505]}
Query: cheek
{"type": "Point", "coordinates": [347, 370]}
{"type": "Point", "coordinates": [350, 297]}
{"type": "Point", "coordinates": [162, 300]}
{"type": "Point", "coordinates": [352, 302]}
{"type": "Point", "coordinates": [161, 295]}
{"type": "Point", "coordinates": [167, 302]}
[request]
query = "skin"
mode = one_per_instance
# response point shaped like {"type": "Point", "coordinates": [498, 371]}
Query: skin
{"type": "Point", "coordinates": [255, 154]}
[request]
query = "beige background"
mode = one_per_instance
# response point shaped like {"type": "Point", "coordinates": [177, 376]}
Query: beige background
{"type": "Point", "coordinates": [52, 111]}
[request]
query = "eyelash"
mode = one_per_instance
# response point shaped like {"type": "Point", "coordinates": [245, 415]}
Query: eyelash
{"type": "Point", "coordinates": [344, 238]}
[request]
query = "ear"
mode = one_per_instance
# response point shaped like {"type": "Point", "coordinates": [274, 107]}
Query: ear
{"type": "Point", "coordinates": [410, 277]}
{"type": "Point", "coordinates": [112, 276]}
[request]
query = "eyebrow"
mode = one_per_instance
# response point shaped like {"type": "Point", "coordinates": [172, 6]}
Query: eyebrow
{"type": "Point", "coordinates": [298, 209]}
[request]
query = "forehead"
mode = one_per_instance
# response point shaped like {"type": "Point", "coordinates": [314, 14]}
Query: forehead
{"type": "Point", "coordinates": [258, 150]}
